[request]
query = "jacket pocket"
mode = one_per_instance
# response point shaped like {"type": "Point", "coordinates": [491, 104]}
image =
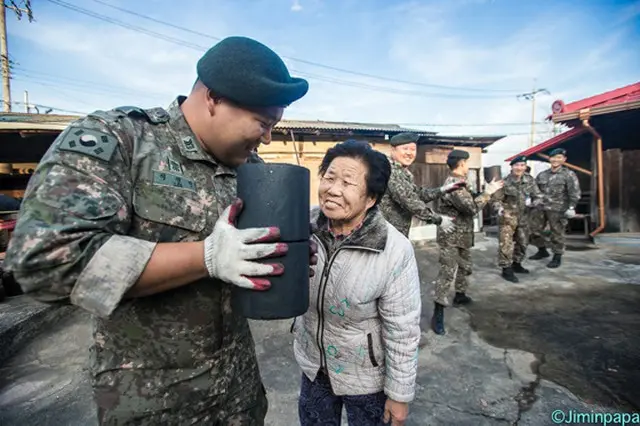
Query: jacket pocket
{"type": "Point", "coordinates": [372, 356]}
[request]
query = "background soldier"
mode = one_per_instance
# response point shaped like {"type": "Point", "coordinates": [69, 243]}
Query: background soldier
{"type": "Point", "coordinates": [512, 204]}
{"type": "Point", "coordinates": [455, 257]}
{"type": "Point", "coordinates": [404, 199]}
{"type": "Point", "coordinates": [561, 193]}
{"type": "Point", "coordinates": [130, 215]}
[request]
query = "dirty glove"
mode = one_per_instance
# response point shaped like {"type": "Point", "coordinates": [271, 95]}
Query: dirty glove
{"type": "Point", "coordinates": [447, 224]}
{"type": "Point", "coordinates": [229, 253]}
{"type": "Point", "coordinates": [493, 186]}
{"type": "Point", "coordinates": [570, 213]}
{"type": "Point", "coordinates": [453, 186]}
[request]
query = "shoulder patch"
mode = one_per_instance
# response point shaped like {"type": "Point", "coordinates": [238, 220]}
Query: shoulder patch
{"type": "Point", "coordinates": [152, 115]}
{"type": "Point", "coordinates": [89, 142]}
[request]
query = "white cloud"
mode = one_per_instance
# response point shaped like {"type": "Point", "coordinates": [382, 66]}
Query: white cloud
{"type": "Point", "coordinates": [296, 7]}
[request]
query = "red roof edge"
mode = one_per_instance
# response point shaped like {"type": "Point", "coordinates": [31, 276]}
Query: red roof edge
{"type": "Point", "coordinates": [611, 97]}
{"type": "Point", "coordinates": [556, 140]}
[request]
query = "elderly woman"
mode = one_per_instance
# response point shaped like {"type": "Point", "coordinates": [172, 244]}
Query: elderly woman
{"type": "Point", "coordinates": [357, 344]}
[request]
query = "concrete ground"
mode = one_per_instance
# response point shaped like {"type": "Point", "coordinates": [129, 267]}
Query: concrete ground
{"type": "Point", "coordinates": [563, 339]}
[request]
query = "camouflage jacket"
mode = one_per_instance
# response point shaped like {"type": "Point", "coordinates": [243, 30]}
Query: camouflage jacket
{"type": "Point", "coordinates": [560, 189]}
{"type": "Point", "coordinates": [113, 185]}
{"type": "Point", "coordinates": [404, 199]}
{"type": "Point", "coordinates": [462, 206]}
{"type": "Point", "coordinates": [513, 195]}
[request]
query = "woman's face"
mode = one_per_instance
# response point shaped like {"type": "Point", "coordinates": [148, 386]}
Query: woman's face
{"type": "Point", "coordinates": [343, 190]}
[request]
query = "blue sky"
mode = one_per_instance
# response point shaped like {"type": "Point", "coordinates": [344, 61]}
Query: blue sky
{"type": "Point", "coordinates": [468, 58]}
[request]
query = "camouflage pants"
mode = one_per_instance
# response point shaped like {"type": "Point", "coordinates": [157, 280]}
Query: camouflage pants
{"type": "Point", "coordinates": [513, 239]}
{"type": "Point", "coordinates": [455, 266]}
{"type": "Point", "coordinates": [557, 224]}
{"type": "Point", "coordinates": [184, 403]}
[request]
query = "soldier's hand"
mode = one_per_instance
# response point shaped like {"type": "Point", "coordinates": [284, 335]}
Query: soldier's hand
{"type": "Point", "coordinates": [447, 224]}
{"type": "Point", "coordinates": [570, 213]}
{"type": "Point", "coordinates": [500, 211]}
{"type": "Point", "coordinates": [453, 186]}
{"type": "Point", "coordinates": [229, 253]}
{"type": "Point", "coordinates": [493, 186]}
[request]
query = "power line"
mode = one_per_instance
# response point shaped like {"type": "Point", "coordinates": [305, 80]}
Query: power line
{"type": "Point", "coordinates": [181, 42]}
{"type": "Point", "coordinates": [50, 108]}
{"type": "Point", "coordinates": [25, 74]}
{"type": "Point", "coordinates": [89, 86]}
{"type": "Point", "coordinates": [392, 90]}
{"type": "Point", "coordinates": [464, 124]}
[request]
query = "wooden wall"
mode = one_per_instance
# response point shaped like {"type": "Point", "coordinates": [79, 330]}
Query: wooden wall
{"type": "Point", "coordinates": [622, 190]}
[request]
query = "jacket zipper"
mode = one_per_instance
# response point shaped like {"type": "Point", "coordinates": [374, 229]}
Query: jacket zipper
{"type": "Point", "coordinates": [372, 356]}
{"type": "Point", "coordinates": [321, 296]}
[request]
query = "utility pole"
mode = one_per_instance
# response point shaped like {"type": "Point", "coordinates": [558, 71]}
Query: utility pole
{"type": "Point", "coordinates": [531, 96]}
{"type": "Point", "coordinates": [4, 50]}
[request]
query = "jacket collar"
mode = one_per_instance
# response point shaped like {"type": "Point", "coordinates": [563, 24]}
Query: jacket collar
{"type": "Point", "coordinates": [188, 142]}
{"type": "Point", "coordinates": [371, 235]}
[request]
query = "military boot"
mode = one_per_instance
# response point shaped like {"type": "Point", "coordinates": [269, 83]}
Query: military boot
{"type": "Point", "coordinates": [461, 299]}
{"type": "Point", "coordinates": [437, 320]}
{"type": "Point", "coordinates": [518, 269]}
{"type": "Point", "coordinates": [541, 254]}
{"type": "Point", "coordinates": [556, 261]}
{"type": "Point", "coordinates": [507, 274]}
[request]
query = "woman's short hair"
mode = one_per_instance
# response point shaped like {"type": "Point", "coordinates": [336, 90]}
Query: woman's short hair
{"type": "Point", "coordinates": [378, 166]}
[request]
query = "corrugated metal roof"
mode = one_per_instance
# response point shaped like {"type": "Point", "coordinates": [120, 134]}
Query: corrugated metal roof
{"type": "Point", "coordinates": [621, 95]}
{"type": "Point", "coordinates": [556, 140]}
{"type": "Point", "coordinates": [23, 121]}
{"type": "Point", "coordinates": [345, 126]}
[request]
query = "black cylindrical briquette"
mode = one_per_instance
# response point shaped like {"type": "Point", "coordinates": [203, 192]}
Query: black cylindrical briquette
{"type": "Point", "coordinates": [275, 194]}
{"type": "Point", "coordinates": [288, 296]}
{"type": "Point", "coordinates": [493, 172]}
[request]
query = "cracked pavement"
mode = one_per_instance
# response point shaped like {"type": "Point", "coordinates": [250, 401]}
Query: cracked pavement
{"type": "Point", "coordinates": [498, 364]}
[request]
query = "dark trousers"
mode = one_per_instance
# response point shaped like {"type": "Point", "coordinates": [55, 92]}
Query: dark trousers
{"type": "Point", "coordinates": [318, 405]}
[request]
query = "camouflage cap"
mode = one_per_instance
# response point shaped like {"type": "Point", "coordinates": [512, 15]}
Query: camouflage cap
{"type": "Point", "coordinates": [558, 151]}
{"type": "Point", "coordinates": [458, 154]}
{"type": "Point", "coordinates": [404, 138]}
{"type": "Point", "coordinates": [518, 159]}
{"type": "Point", "coordinates": [250, 74]}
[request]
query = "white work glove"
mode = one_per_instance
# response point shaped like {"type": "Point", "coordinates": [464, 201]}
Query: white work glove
{"type": "Point", "coordinates": [447, 224]}
{"type": "Point", "coordinates": [493, 186]}
{"type": "Point", "coordinates": [500, 211]}
{"type": "Point", "coordinates": [527, 202]}
{"type": "Point", "coordinates": [453, 186]}
{"type": "Point", "coordinates": [570, 213]}
{"type": "Point", "coordinates": [229, 252]}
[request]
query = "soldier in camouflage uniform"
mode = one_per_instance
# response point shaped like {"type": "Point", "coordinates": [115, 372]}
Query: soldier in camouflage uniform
{"type": "Point", "coordinates": [512, 204]}
{"type": "Point", "coordinates": [455, 257]}
{"type": "Point", "coordinates": [130, 215]}
{"type": "Point", "coordinates": [561, 193]}
{"type": "Point", "coordinates": [404, 199]}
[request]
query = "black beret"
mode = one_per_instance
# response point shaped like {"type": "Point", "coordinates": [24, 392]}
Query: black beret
{"type": "Point", "coordinates": [518, 159]}
{"type": "Point", "coordinates": [403, 139]}
{"type": "Point", "coordinates": [249, 73]}
{"type": "Point", "coordinates": [558, 151]}
{"type": "Point", "coordinates": [458, 154]}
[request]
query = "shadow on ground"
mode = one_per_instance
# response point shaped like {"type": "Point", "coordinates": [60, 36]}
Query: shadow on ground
{"type": "Point", "coordinates": [587, 340]}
